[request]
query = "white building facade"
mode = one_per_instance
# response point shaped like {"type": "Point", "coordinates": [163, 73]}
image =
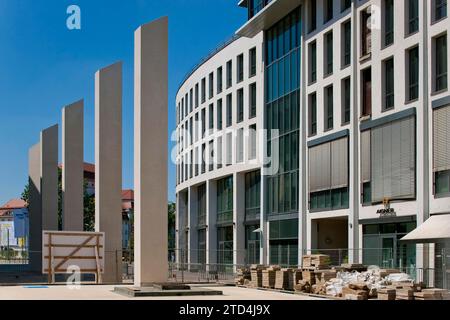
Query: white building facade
{"type": "Point", "coordinates": [357, 92]}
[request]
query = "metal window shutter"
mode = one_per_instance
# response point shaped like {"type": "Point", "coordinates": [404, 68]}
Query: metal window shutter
{"type": "Point", "coordinates": [339, 163]}
{"type": "Point", "coordinates": [441, 139]}
{"type": "Point", "coordinates": [320, 167]}
{"type": "Point", "coordinates": [393, 160]}
{"type": "Point", "coordinates": [365, 156]}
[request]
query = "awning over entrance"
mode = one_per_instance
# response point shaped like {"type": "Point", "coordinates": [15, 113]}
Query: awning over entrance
{"type": "Point", "coordinates": [435, 230]}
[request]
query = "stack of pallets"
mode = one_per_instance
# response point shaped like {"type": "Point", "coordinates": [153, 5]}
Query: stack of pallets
{"type": "Point", "coordinates": [268, 277]}
{"type": "Point", "coordinates": [284, 279]}
{"type": "Point", "coordinates": [256, 276]}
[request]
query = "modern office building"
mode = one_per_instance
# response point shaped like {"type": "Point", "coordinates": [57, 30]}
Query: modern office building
{"type": "Point", "coordinates": [354, 100]}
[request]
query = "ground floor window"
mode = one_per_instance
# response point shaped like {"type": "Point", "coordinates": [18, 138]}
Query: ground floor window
{"type": "Point", "coordinates": [367, 194]}
{"type": "Point", "coordinates": [252, 244]}
{"type": "Point", "coordinates": [329, 200]}
{"type": "Point", "coordinates": [202, 248]}
{"type": "Point", "coordinates": [283, 242]}
{"type": "Point", "coordinates": [442, 183]}
{"type": "Point", "coordinates": [225, 249]}
{"type": "Point", "coordinates": [382, 246]}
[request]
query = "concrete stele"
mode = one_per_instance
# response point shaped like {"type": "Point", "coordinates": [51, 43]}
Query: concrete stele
{"type": "Point", "coordinates": [151, 153]}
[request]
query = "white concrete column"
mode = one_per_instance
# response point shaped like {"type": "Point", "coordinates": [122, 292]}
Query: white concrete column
{"type": "Point", "coordinates": [193, 232]}
{"type": "Point", "coordinates": [211, 221]}
{"type": "Point", "coordinates": [72, 169]}
{"type": "Point", "coordinates": [108, 167]}
{"type": "Point", "coordinates": [49, 178]}
{"type": "Point", "coordinates": [35, 208]}
{"type": "Point", "coordinates": [151, 152]}
{"type": "Point", "coordinates": [239, 254]}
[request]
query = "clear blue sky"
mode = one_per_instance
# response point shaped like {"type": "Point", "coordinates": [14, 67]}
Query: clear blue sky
{"type": "Point", "coordinates": [44, 66]}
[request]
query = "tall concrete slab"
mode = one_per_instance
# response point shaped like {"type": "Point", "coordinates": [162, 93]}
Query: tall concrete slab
{"type": "Point", "coordinates": [151, 152]}
{"type": "Point", "coordinates": [72, 170]}
{"type": "Point", "coordinates": [108, 167]}
{"type": "Point", "coordinates": [49, 178]}
{"type": "Point", "coordinates": [35, 207]}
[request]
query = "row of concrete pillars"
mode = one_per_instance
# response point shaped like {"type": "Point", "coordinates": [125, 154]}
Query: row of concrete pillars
{"type": "Point", "coordinates": [150, 164]}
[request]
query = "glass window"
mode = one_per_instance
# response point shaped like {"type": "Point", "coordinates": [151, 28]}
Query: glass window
{"type": "Point", "coordinates": [211, 116]}
{"type": "Point", "coordinates": [240, 68]}
{"type": "Point", "coordinates": [413, 79]}
{"type": "Point", "coordinates": [312, 114]}
{"type": "Point", "coordinates": [388, 22]}
{"type": "Point", "coordinates": [196, 96]}
{"type": "Point", "coordinates": [240, 105]}
{"type": "Point", "coordinates": [219, 114]}
{"type": "Point", "coordinates": [413, 16]}
{"type": "Point", "coordinates": [442, 180]}
{"type": "Point", "coordinates": [347, 47]}
{"type": "Point", "coordinates": [219, 80]}
{"type": "Point", "coordinates": [328, 10]}
{"type": "Point", "coordinates": [328, 53]}
{"type": "Point", "coordinates": [367, 193]}
{"type": "Point", "coordinates": [203, 90]}
{"type": "Point", "coordinates": [229, 74]}
{"type": "Point", "coordinates": [225, 200]}
{"type": "Point", "coordinates": [229, 110]}
{"type": "Point", "coordinates": [329, 108]}
{"type": "Point", "coordinates": [441, 62]}
{"type": "Point", "coordinates": [346, 4]}
{"type": "Point", "coordinates": [203, 122]}
{"type": "Point", "coordinates": [252, 62]}
{"type": "Point", "coordinates": [389, 84]}
{"type": "Point", "coordinates": [440, 9]}
{"type": "Point", "coordinates": [211, 85]}
{"type": "Point", "coordinates": [312, 15]}
{"type": "Point", "coordinates": [252, 142]}
{"type": "Point", "coordinates": [346, 103]}
{"type": "Point", "coordinates": [313, 62]}
{"type": "Point", "coordinates": [252, 104]}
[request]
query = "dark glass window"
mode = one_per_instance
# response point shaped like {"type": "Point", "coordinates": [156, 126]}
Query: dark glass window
{"type": "Point", "coordinates": [389, 84]}
{"type": "Point", "coordinates": [328, 53]}
{"type": "Point", "coordinates": [312, 114]}
{"type": "Point", "coordinates": [328, 10]}
{"type": "Point", "coordinates": [442, 181]}
{"type": "Point", "coordinates": [252, 62]}
{"type": "Point", "coordinates": [219, 114]}
{"type": "Point", "coordinates": [312, 15]}
{"type": "Point", "coordinates": [366, 92]}
{"type": "Point", "coordinates": [240, 68]}
{"type": "Point", "coordinates": [211, 116]}
{"type": "Point", "coordinates": [252, 94]}
{"type": "Point", "coordinates": [346, 4]}
{"type": "Point", "coordinates": [225, 200]}
{"type": "Point", "coordinates": [413, 16]}
{"type": "Point", "coordinates": [201, 197]}
{"type": "Point", "coordinates": [329, 108]}
{"type": "Point", "coordinates": [313, 62]}
{"type": "Point", "coordinates": [229, 110]}
{"type": "Point", "coordinates": [240, 105]}
{"type": "Point", "coordinates": [211, 85]}
{"type": "Point", "coordinates": [229, 74]}
{"type": "Point", "coordinates": [413, 80]}
{"type": "Point", "coordinates": [203, 90]}
{"type": "Point", "coordinates": [203, 122]}
{"type": "Point", "coordinates": [389, 22]}
{"type": "Point", "coordinates": [196, 96]}
{"type": "Point", "coordinates": [440, 9]}
{"type": "Point", "coordinates": [346, 101]}
{"type": "Point", "coordinates": [252, 196]}
{"type": "Point", "coordinates": [219, 80]}
{"type": "Point", "coordinates": [441, 62]}
{"type": "Point", "coordinates": [347, 35]}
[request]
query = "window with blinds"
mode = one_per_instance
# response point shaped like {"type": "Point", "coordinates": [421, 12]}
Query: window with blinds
{"type": "Point", "coordinates": [441, 151]}
{"type": "Point", "coordinates": [393, 161]}
{"type": "Point", "coordinates": [328, 175]}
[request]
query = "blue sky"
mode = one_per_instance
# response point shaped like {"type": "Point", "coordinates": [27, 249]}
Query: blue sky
{"type": "Point", "coordinates": [44, 66]}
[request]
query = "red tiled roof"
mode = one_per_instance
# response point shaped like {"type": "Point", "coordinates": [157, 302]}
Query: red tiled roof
{"type": "Point", "coordinates": [127, 194]}
{"type": "Point", "coordinates": [11, 205]}
{"type": "Point", "coordinates": [88, 167]}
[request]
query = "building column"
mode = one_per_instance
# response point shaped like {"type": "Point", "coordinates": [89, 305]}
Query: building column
{"type": "Point", "coordinates": [72, 169]}
{"type": "Point", "coordinates": [150, 152]}
{"type": "Point", "coordinates": [211, 220]}
{"type": "Point", "coordinates": [35, 208]}
{"type": "Point", "coordinates": [193, 233]}
{"type": "Point", "coordinates": [108, 167]}
{"type": "Point", "coordinates": [49, 178]}
{"type": "Point", "coordinates": [239, 252]}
